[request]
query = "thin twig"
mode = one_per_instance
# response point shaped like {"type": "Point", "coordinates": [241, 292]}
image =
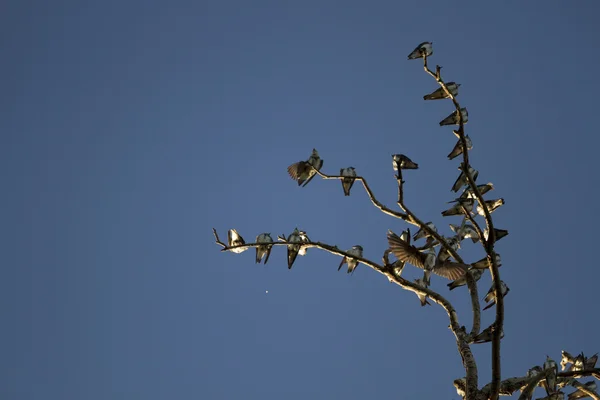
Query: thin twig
{"type": "Point", "coordinates": [585, 390]}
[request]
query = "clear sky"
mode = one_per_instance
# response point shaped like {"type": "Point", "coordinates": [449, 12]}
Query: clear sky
{"type": "Point", "coordinates": [130, 128]}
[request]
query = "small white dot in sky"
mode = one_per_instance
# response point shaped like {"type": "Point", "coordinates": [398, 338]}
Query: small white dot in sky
{"type": "Point", "coordinates": [266, 291]}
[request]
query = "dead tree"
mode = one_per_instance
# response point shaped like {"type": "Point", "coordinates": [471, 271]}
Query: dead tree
{"type": "Point", "coordinates": [447, 263]}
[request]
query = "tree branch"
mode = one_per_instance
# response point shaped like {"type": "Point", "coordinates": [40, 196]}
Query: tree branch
{"type": "Point", "coordinates": [489, 243]}
{"type": "Point", "coordinates": [585, 390]}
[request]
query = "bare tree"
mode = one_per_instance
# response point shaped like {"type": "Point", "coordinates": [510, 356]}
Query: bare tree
{"type": "Point", "coordinates": [447, 263]}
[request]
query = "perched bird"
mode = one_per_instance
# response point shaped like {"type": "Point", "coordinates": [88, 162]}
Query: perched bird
{"type": "Point", "coordinates": [263, 250]}
{"type": "Point", "coordinates": [403, 161]}
{"type": "Point", "coordinates": [462, 179]}
{"type": "Point", "coordinates": [550, 364]}
{"type": "Point", "coordinates": [304, 171]}
{"type": "Point", "coordinates": [486, 335]}
{"type": "Point", "coordinates": [491, 294]}
{"type": "Point", "coordinates": [580, 394]}
{"type": "Point", "coordinates": [294, 249]}
{"type": "Point", "coordinates": [483, 189]}
{"type": "Point", "coordinates": [527, 390]}
{"type": "Point", "coordinates": [590, 363]}
{"type": "Point", "coordinates": [410, 254]}
{"type": "Point", "coordinates": [422, 233]}
{"type": "Point", "coordinates": [500, 233]}
{"type": "Point", "coordinates": [352, 262]}
{"type": "Point", "coordinates": [483, 263]}
{"type": "Point", "coordinates": [566, 358]}
{"type": "Point", "coordinates": [234, 239]}
{"type": "Point", "coordinates": [349, 175]}
{"type": "Point", "coordinates": [425, 48]}
{"type": "Point", "coordinates": [441, 93]}
{"type": "Point", "coordinates": [452, 119]}
{"type": "Point", "coordinates": [492, 205]}
{"type": "Point", "coordinates": [457, 209]}
{"type": "Point", "coordinates": [422, 298]}
{"type": "Point", "coordinates": [458, 147]}
{"type": "Point", "coordinates": [579, 363]}
{"type": "Point", "coordinates": [443, 254]}
{"type": "Point", "coordinates": [465, 231]}
{"type": "Point", "coordinates": [476, 273]}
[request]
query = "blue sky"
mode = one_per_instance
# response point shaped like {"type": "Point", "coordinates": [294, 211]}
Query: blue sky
{"type": "Point", "coordinates": [130, 129]}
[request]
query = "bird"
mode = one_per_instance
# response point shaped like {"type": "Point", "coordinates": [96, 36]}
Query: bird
{"type": "Point", "coordinates": [500, 233]}
{"type": "Point", "coordinates": [550, 364]}
{"type": "Point", "coordinates": [486, 335]}
{"type": "Point", "coordinates": [476, 273]}
{"type": "Point", "coordinates": [422, 233]}
{"type": "Point", "coordinates": [234, 239]}
{"type": "Point", "coordinates": [421, 283]}
{"type": "Point", "coordinates": [441, 93]}
{"type": "Point", "coordinates": [424, 49]}
{"type": "Point", "coordinates": [483, 189]}
{"type": "Point", "coordinates": [566, 358]}
{"type": "Point", "coordinates": [410, 254]}
{"type": "Point", "coordinates": [452, 119]}
{"type": "Point", "coordinates": [457, 209]}
{"type": "Point", "coordinates": [580, 394]}
{"type": "Point", "coordinates": [352, 262]}
{"type": "Point", "coordinates": [590, 362]}
{"type": "Point", "coordinates": [526, 389]}
{"type": "Point", "coordinates": [398, 265]}
{"type": "Point", "coordinates": [490, 297]}
{"type": "Point", "coordinates": [305, 171]}
{"type": "Point", "coordinates": [465, 231]}
{"type": "Point", "coordinates": [492, 205]}
{"type": "Point", "coordinates": [578, 363]}
{"type": "Point", "coordinates": [462, 179]}
{"type": "Point", "coordinates": [294, 249]}
{"type": "Point", "coordinates": [458, 147]}
{"type": "Point", "coordinates": [483, 263]}
{"type": "Point", "coordinates": [263, 249]}
{"type": "Point", "coordinates": [349, 175]}
{"type": "Point", "coordinates": [403, 161]}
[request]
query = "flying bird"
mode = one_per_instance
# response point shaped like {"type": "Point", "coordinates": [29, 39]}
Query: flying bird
{"type": "Point", "coordinates": [476, 273]}
{"type": "Point", "coordinates": [234, 239]}
{"type": "Point", "coordinates": [441, 93]}
{"type": "Point", "coordinates": [403, 161]}
{"type": "Point", "coordinates": [410, 254]}
{"type": "Point", "coordinates": [492, 205]}
{"type": "Point", "coordinates": [462, 179]}
{"type": "Point", "coordinates": [491, 294]}
{"type": "Point", "coordinates": [349, 175]}
{"type": "Point", "coordinates": [352, 262]}
{"type": "Point", "coordinates": [452, 119]}
{"type": "Point", "coordinates": [424, 49]}
{"type": "Point", "coordinates": [264, 250]}
{"type": "Point", "coordinates": [305, 171]}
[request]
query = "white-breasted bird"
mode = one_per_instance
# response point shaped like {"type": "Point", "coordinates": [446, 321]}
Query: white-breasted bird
{"type": "Point", "coordinates": [457, 209]}
{"type": "Point", "coordinates": [422, 233]}
{"type": "Point", "coordinates": [421, 283]}
{"type": "Point", "coordinates": [440, 93]}
{"type": "Point", "coordinates": [476, 273]}
{"type": "Point", "coordinates": [235, 239]}
{"type": "Point", "coordinates": [462, 179]}
{"type": "Point", "coordinates": [305, 171]}
{"type": "Point", "coordinates": [357, 251]}
{"type": "Point", "coordinates": [483, 263]}
{"type": "Point", "coordinates": [465, 231]}
{"type": "Point", "coordinates": [500, 233]}
{"type": "Point", "coordinates": [550, 364]}
{"type": "Point", "coordinates": [263, 250]}
{"type": "Point", "coordinates": [490, 297]}
{"type": "Point", "coordinates": [580, 394]}
{"type": "Point", "coordinates": [492, 205]}
{"type": "Point", "coordinates": [425, 261]}
{"type": "Point", "coordinates": [294, 249]}
{"type": "Point", "coordinates": [452, 119]}
{"type": "Point", "coordinates": [423, 49]}
{"type": "Point", "coordinates": [483, 189]}
{"type": "Point", "coordinates": [486, 335]}
{"type": "Point", "coordinates": [457, 150]}
{"type": "Point", "coordinates": [403, 161]}
{"type": "Point", "coordinates": [566, 358]}
{"type": "Point", "coordinates": [349, 175]}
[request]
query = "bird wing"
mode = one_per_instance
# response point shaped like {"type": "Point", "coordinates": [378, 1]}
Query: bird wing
{"type": "Point", "coordinates": [297, 169]}
{"type": "Point", "coordinates": [405, 252]}
{"type": "Point", "coordinates": [450, 270]}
